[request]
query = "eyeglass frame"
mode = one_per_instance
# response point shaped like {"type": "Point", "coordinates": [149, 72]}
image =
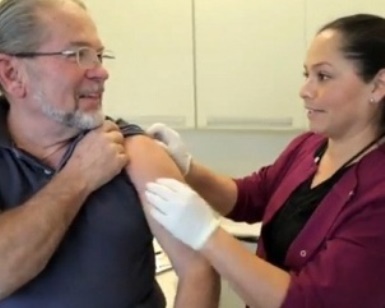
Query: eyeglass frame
{"type": "Point", "coordinates": [104, 54]}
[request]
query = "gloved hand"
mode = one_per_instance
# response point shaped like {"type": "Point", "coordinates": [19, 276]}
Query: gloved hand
{"type": "Point", "coordinates": [181, 211]}
{"type": "Point", "coordinates": [174, 145]}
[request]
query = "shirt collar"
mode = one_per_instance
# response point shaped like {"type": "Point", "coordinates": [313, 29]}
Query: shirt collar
{"type": "Point", "coordinates": [5, 137]}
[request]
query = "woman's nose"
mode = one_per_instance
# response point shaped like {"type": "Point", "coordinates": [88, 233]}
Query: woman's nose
{"type": "Point", "coordinates": [306, 90]}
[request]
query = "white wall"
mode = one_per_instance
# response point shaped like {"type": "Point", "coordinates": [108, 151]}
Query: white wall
{"type": "Point", "coordinates": [235, 153]}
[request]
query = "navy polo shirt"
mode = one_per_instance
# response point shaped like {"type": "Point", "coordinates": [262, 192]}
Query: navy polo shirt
{"type": "Point", "coordinates": [105, 260]}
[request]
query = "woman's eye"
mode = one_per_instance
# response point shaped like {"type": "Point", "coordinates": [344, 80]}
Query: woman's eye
{"type": "Point", "coordinates": [323, 76]}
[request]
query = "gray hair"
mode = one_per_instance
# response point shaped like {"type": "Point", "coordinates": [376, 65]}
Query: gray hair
{"type": "Point", "coordinates": [21, 29]}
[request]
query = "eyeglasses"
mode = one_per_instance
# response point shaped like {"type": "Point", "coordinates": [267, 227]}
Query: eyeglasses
{"type": "Point", "coordinates": [85, 57]}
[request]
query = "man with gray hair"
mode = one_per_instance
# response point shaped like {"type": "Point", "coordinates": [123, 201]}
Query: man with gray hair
{"type": "Point", "coordinates": [73, 232]}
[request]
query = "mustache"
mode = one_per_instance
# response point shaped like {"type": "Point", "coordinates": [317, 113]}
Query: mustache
{"type": "Point", "coordinates": [98, 90]}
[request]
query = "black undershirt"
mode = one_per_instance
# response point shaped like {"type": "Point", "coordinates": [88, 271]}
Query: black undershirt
{"type": "Point", "coordinates": [285, 226]}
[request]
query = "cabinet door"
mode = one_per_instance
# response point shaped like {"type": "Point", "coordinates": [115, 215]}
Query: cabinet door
{"type": "Point", "coordinates": [322, 12]}
{"type": "Point", "coordinates": [151, 79]}
{"type": "Point", "coordinates": [249, 63]}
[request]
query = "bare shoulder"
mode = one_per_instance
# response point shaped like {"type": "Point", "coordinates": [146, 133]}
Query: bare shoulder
{"type": "Point", "coordinates": [148, 160]}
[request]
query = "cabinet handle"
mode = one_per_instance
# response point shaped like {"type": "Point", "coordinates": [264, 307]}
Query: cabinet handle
{"type": "Point", "coordinates": [173, 121]}
{"type": "Point", "coordinates": [228, 122]}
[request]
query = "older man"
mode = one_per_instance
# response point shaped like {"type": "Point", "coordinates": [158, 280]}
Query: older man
{"type": "Point", "coordinates": [73, 232]}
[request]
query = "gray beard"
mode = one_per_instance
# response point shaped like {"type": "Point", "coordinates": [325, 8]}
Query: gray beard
{"type": "Point", "coordinates": [75, 119]}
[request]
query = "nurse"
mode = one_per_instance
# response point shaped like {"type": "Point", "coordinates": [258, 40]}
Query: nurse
{"type": "Point", "coordinates": [321, 202]}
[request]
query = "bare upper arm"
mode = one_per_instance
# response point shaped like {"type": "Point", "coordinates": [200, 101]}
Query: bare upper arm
{"type": "Point", "coordinates": [149, 161]}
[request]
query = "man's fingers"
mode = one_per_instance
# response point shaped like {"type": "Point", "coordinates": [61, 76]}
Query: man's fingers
{"type": "Point", "coordinates": [109, 126]}
{"type": "Point", "coordinates": [116, 136]}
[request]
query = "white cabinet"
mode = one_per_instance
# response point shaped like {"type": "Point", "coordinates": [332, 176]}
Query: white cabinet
{"type": "Point", "coordinates": [232, 64]}
{"type": "Point", "coordinates": [152, 77]}
{"type": "Point", "coordinates": [249, 59]}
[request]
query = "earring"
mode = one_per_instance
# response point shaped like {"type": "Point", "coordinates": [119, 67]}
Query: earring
{"type": "Point", "coordinates": [372, 100]}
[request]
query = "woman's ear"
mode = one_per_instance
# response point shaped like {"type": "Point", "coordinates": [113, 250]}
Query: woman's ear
{"type": "Point", "coordinates": [378, 92]}
{"type": "Point", "coordinates": [11, 75]}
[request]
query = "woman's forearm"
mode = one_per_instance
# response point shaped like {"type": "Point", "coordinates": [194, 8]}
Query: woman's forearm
{"type": "Point", "coordinates": [257, 282]}
{"type": "Point", "coordinates": [218, 190]}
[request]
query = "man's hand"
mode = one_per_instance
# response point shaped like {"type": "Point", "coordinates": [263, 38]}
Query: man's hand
{"type": "Point", "coordinates": [99, 156]}
{"type": "Point", "coordinates": [181, 211]}
{"type": "Point", "coordinates": [173, 144]}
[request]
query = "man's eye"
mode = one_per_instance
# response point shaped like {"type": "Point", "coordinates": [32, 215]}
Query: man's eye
{"type": "Point", "coordinates": [83, 53]}
{"type": "Point", "coordinates": [100, 56]}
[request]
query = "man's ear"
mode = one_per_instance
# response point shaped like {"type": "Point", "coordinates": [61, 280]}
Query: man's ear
{"type": "Point", "coordinates": [11, 75]}
{"type": "Point", "coordinates": [379, 86]}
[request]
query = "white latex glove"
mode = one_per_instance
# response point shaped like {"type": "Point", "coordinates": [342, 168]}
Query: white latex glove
{"type": "Point", "coordinates": [181, 211]}
{"type": "Point", "coordinates": [174, 145]}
